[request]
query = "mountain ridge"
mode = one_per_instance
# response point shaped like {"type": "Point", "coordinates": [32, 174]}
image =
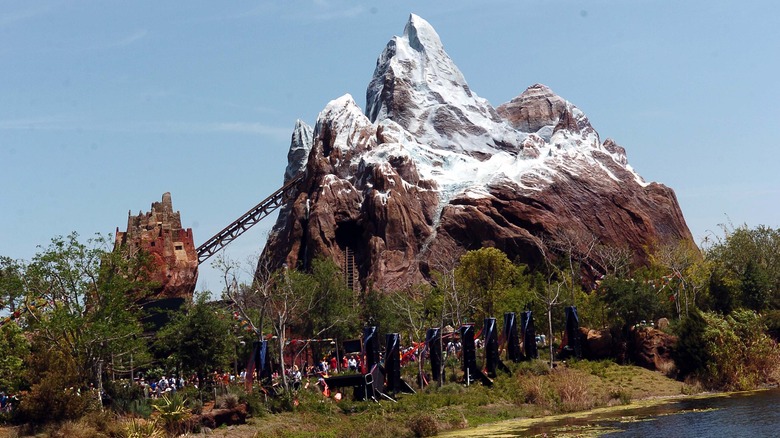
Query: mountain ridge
{"type": "Point", "coordinates": [430, 169]}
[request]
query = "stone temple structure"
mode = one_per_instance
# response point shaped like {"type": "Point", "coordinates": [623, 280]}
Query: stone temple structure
{"type": "Point", "coordinates": [174, 259]}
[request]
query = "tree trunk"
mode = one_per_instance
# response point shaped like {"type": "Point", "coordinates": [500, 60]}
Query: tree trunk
{"type": "Point", "coordinates": [549, 321]}
{"type": "Point", "coordinates": [281, 354]}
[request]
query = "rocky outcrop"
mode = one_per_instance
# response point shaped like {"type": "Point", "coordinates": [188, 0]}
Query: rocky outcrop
{"type": "Point", "coordinates": [646, 347]}
{"type": "Point", "coordinates": [652, 349]}
{"type": "Point", "coordinates": [432, 170]}
{"type": "Point", "coordinates": [174, 261]}
{"type": "Point", "coordinates": [215, 418]}
{"type": "Point", "coordinates": [598, 344]}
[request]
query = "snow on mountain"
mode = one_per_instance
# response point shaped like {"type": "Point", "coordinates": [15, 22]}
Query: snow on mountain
{"type": "Point", "coordinates": [459, 140]}
{"type": "Point", "coordinates": [430, 169]}
{"type": "Point", "coordinates": [300, 146]}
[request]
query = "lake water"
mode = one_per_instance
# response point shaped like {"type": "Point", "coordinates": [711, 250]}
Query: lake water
{"type": "Point", "coordinates": [751, 414]}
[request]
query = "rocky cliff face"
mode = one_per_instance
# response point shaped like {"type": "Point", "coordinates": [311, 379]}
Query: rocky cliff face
{"type": "Point", "coordinates": [431, 170]}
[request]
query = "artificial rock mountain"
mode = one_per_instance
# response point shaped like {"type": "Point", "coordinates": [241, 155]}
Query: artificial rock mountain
{"type": "Point", "coordinates": [430, 170]}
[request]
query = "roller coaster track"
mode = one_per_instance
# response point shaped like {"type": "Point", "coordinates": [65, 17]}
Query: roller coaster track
{"type": "Point", "coordinates": [246, 221]}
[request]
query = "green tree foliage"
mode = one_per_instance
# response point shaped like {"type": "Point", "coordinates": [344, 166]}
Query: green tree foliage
{"type": "Point", "coordinates": [91, 319]}
{"type": "Point", "coordinates": [755, 286]}
{"type": "Point", "coordinates": [690, 353]}
{"type": "Point", "coordinates": [58, 391]}
{"type": "Point", "coordinates": [491, 283]}
{"type": "Point", "coordinates": [14, 348]}
{"type": "Point", "coordinates": [200, 339]}
{"type": "Point", "coordinates": [11, 284]}
{"type": "Point", "coordinates": [743, 356]}
{"type": "Point", "coordinates": [631, 300]}
{"type": "Point", "coordinates": [731, 352]}
{"type": "Point", "coordinates": [332, 313]}
{"type": "Point", "coordinates": [749, 258]}
{"type": "Point", "coordinates": [722, 292]}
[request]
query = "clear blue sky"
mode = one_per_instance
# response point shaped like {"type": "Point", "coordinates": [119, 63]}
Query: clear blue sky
{"type": "Point", "coordinates": [106, 105]}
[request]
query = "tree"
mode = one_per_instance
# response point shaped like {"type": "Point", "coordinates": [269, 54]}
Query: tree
{"type": "Point", "coordinates": [90, 320]}
{"type": "Point", "coordinates": [686, 274]}
{"type": "Point", "coordinates": [631, 300]}
{"type": "Point", "coordinates": [487, 276]}
{"type": "Point", "coordinates": [549, 293]}
{"type": "Point", "coordinates": [722, 292]}
{"type": "Point", "coordinates": [456, 304]}
{"type": "Point", "coordinates": [333, 311]}
{"type": "Point", "coordinates": [199, 339]}
{"type": "Point", "coordinates": [755, 287]}
{"type": "Point", "coordinates": [14, 347]}
{"type": "Point", "coordinates": [293, 296]}
{"type": "Point", "coordinates": [742, 245]}
{"type": "Point", "coordinates": [690, 352]}
{"type": "Point", "coordinates": [11, 284]}
{"type": "Point", "coordinates": [613, 260]}
{"type": "Point", "coordinates": [575, 250]}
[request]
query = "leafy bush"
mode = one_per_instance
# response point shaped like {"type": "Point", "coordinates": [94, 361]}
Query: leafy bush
{"type": "Point", "coordinates": [48, 402]}
{"type": "Point", "coordinates": [423, 425]}
{"type": "Point", "coordinates": [691, 353]}
{"type": "Point", "coordinates": [730, 352]}
{"type": "Point", "coordinates": [743, 355]}
{"type": "Point", "coordinates": [254, 404]}
{"type": "Point", "coordinates": [771, 319]}
{"type": "Point", "coordinates": [123, 395]}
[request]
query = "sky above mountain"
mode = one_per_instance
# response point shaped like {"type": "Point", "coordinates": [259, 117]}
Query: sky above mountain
{"type": "Point", "coordinates": [104, 106]}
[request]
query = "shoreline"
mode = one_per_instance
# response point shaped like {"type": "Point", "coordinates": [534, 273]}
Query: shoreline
{"type": "Point", "coordinates": [503, 427]}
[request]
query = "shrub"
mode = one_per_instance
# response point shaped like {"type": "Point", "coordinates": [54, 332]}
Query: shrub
{"type": "Point", "coordinates": [571, 390]}
{"type": "Point", "coordinates": [137, 428]}
{"type": "Point", "coordinates": [691, 353]}
{"type": "Point", "coordinates": [536, 390]}
{"type": "Point", "coordinates": [123, 395]}
{"type": "Point", "coordinates": [173, 413]}
{"type": "Point", "coordinates": [49, 402]}
{"type": "Point", "coordinates": [254, 405]}
{"type": "Point", "coordinates": [227, 401]}
{"type": "Point", "coordinates": [732, 352]}
{"type": "Point", "coordinates": [284, 402]}
{"type": "Point", "coordinates": [423, 425]}
{"type": "Point", "coordinates": [76, 429]}
{"type": "Point", "coordinates": [771, 320]}
{"type": "Point", "coordinates": [621, 394]}
{"type": "Point", "coordinates": [535, 367]}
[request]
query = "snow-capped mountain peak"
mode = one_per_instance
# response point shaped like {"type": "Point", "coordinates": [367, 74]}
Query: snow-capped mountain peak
{"type": "Point", "coordinates": [431, 169]}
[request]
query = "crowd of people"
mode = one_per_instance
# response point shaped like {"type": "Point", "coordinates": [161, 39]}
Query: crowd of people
{"type": "Point", "coordinates": [7, 402]}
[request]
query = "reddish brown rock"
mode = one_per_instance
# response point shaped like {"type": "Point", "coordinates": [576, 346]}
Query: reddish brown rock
{"type": "Point", "coordinates": [215, 418]}
{"type": "Point", "coordinates": [402, 188]}
{"type": "Point", "coordinates": [652, 349]}
{"type": "Point", "coordinates": [160, 234]}
{"type": "Point", "coordinates": [598, 344]}
{"type": "Point", "coordinates": [538, 107]}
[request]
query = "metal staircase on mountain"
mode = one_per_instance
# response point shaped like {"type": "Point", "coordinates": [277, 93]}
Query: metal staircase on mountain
{"type": "Point", "coordinates": [246, 221]}
{"type": "Point", "coordinates": [350, 275]}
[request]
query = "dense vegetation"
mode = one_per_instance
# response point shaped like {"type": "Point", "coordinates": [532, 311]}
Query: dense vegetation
{"type": "Point", "coordinates": [72, 321]}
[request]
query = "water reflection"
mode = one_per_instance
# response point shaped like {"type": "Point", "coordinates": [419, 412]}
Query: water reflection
{"type": "Point", "coordinates": [743, 414]}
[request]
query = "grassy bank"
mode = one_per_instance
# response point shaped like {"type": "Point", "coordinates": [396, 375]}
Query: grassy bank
{"type": "Point", "coordinates": [532, 391]}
